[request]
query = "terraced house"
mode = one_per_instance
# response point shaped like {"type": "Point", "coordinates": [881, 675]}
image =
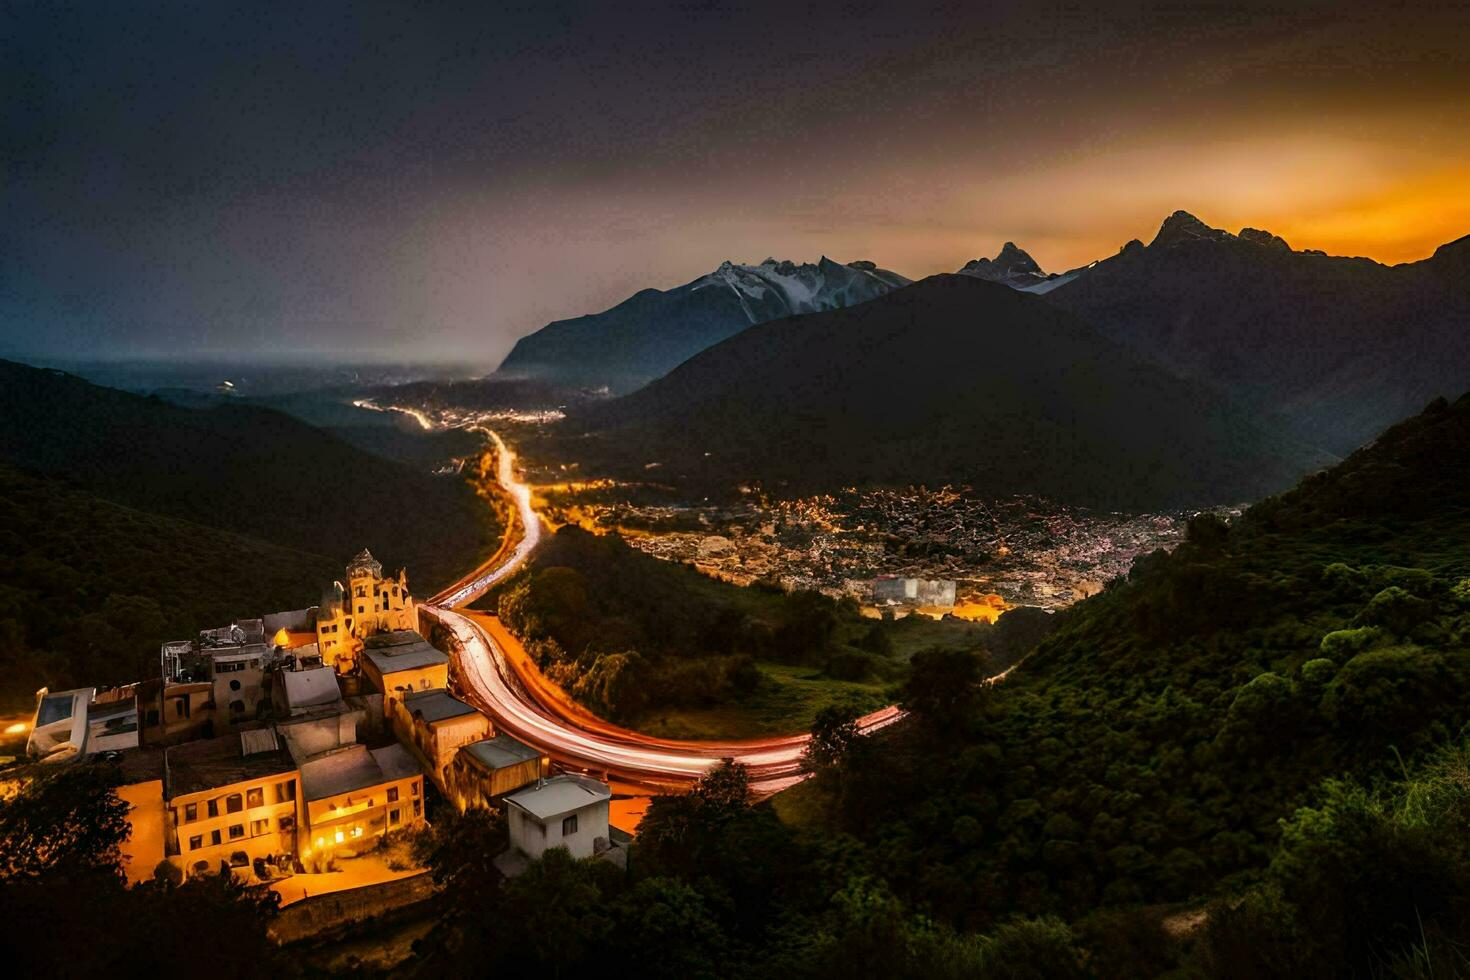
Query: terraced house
{"type": "Point", "coordinates": [231, 801]}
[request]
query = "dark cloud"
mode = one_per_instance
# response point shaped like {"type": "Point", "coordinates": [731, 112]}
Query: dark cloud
{"type": "Point", "coordinates": [407, 180]}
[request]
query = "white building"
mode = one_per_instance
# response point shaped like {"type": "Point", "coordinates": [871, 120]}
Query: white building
{"type": "Point", "coordinates": [81, 722]}
{"type": "Point", "coordinates": [914, 591]}
{"type": "Point", "coordinates": [563, 811]}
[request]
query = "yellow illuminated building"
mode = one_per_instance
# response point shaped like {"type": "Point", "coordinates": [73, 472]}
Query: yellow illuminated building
{"type": "Point", "coordinates": [368, 604]}
{"type": "Point", "coordinates": [355, 796]}
{"type": "Point", "coordinates": [230, 801]}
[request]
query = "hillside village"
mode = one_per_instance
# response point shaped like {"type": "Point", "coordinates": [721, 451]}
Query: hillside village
{"type": "Point", "coordinates": [297, 749]}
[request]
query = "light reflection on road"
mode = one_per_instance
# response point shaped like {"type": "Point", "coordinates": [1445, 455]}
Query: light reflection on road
{"type": "Point", "coordinates": [487, 678]}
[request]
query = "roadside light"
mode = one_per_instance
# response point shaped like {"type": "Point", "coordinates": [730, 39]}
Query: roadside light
{"type": "Point", "coordinates": [16, 729]}
{"type": "Point", "coordinates": [321, 842]}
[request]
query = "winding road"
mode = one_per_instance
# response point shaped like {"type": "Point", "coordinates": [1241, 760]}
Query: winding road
{"type": "Point", "coordinates": [523, 703]}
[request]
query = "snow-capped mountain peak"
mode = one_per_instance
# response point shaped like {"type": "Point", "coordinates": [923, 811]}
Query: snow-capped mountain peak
{"type": "Point", "coordinates": [781, 287]}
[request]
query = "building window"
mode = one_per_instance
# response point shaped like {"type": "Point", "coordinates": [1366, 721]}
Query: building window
{"type": "Point", "coordinates": [191, 812]}
{"type": "Point", "coordinates": [356, 831]}
{"type": "Point", "coordinates": [361, 591]}
{"type": "Point", "coordinates": [392, 794]}
{"type": "Point", "coordinates": [255, 797]}
{"type": "Point", "coordinates": [234, 803]}
{"type": "Point", "coordinates": [237, 707]}
{"type": "Point", "coordinates": [361, 610]}
{"type": "Point", "coordinates": [214, 838]}
{"type": "Point", "coordinates": [239, 859]}
{"type": "Point", "coordinates": [196, 842]}
{"type": "Point", "coordinates": [237, 830]}
{"type": "Point", "coordinates": [212, 808]}
{"type": "Point", "coordinates": [569, 826]}
{"type": "Point", "coordinates": [287, 824]}
{"type": "Point", "coordinates": [413, 787]}
{"type": "Point", "coordinates": [416, 808]}
{"type": "Point", "coordinates": [393, 817]}
{"type": "Point", "coordinates": [201, 867]}
{"type": "Point", "coordinates": [286, 792]}
{"type": "Point", "coordinates": [258, 827]}
{"type": "Point", "coordinates": [234, 685]}
{"type": "Point", "coordinates": [339, 837]}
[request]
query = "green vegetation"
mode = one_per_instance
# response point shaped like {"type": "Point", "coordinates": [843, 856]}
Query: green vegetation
{"type": "Point", "coordinates": [243, 469]}
{"type": "Point", "coordinates": [89, 588]}
{"type": "Point", "coordinates": [672, 652]}
{"type": "Point", "coordinates": [60, 835]}
{"type": "Point", "coordinates": [788, 699]}
{"type": "Point", "coordinates": [716, 888]}
{"type": "Point", "coordinates": [126, 521]}
{"type": "Point", "coordinates": [1184, 736]}
{"type": "Point", "coordinates": [1249, 758]}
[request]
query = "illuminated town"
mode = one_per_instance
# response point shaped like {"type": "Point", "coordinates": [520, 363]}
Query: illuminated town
{"type": "Point", "coordinates": [705, 491]}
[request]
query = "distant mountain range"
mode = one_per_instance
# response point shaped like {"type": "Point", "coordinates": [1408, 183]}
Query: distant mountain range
{"type": "Point", "coordinates": [654, 331]}
{"type": "Point", "coordinates": [1012, 267]}
{"type": "Point", "coordinates": [949, 380]}
{"type": "Point", "coordinates": [1335, 348]}
{"type": "Point", "coordinates": [241, 469]}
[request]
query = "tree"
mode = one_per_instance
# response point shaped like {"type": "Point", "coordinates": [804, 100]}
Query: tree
{"type": "Point", "coordinates": [64, 820]}
{"type": "Point", "coordinates": [556, 911]}
{"type": "Point", "coordinates": [834, 733]}
{"type": "Point", "coordinates": [459, 850]}
{"type": "Point", "coordinates": [665, 929]}
{"type": "Point", "coordinates": [676, 830]}
{"type": "Point", "coordinates": [942, 688]}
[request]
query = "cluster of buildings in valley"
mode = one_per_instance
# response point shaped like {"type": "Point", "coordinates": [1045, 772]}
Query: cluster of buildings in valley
{"type": "Point", "coordinates": [999, 553]}
{"type": "Point", "coordinates": [276, 746]}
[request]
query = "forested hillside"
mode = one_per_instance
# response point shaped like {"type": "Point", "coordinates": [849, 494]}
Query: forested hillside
{"type": "Point", "coordinates": [89, 588]}
{"type": "Point", "coordinates": [1248, 759]}
{"type": "Point", "coordinates": [1157, 748]}
{"type": "Point", "coordinates": [243, 469]}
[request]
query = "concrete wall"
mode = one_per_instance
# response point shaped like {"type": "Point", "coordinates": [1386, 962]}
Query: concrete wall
{"type": "Point", "coordinates": [434, 677]}
{"type": "Point", "coordinates": [310, 737]}
{"type": "Point", "coordinates": [530, 836]}
{"type": "Point", "coordinates": [469, 785]}
{"type": "Point", "coordinates": [143, 849]}
{"type": "Point", "coordinates": [309, 918]}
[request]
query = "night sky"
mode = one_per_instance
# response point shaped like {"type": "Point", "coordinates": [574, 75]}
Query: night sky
{"type": "Point", "coordinates": [373, 182]}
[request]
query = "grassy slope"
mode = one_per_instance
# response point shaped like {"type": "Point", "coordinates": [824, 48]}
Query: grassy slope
{"type": "Point", "coordinates": [596, 596]}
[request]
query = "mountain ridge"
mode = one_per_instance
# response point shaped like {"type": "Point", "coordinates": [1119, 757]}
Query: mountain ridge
{"type": "Point", "coordinates": [654, 330]}
{"type": "Point", "coordinates": [1334, 347]}
{"type": "Point", "coordinates": [952, 379]}
{"type": "Point", "coordinates": [243, 469]}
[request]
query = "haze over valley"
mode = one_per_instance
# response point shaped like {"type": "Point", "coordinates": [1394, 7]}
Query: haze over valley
{"type": "Point", "coordinates": [694, 491]}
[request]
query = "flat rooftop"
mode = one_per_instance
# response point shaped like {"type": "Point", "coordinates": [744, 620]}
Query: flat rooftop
{"type": "Point", "coordinates": [309, 688]}
{"type": "Point", "coordinates": [399, 650]}
{"type": "Point", "coordinates": [214, 763]}
{"type": "Point", "coordinates": [436, 705]}
{"type": "Point", "coordinates": [355, 768]}
{"type": "Point", "coordinates": [501, 752]}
